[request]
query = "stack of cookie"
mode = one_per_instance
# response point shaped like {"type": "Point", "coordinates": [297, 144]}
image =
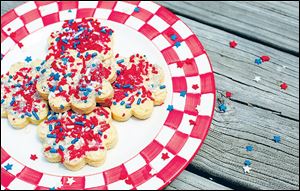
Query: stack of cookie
{"type": "Point", "coordinates": [85, 86]}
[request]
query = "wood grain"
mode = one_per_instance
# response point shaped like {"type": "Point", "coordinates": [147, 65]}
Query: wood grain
{"type": "Point", "coordinates": [275, 24]}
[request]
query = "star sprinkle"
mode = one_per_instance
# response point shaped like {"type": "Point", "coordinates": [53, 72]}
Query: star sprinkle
{"type": "Point", "coordinates": [195, 86]}
{"type": "Point", "coordinates": [232, 44]}
{"type": "Point", "coordinates": [165, 156]}
{"type": "Point", "coordinates": [52, 188]}
{"type": "Point", "coordinates": [258, 61]}
{"type": "Point", "coordinates": [284, 86]}
{"type": "Point", "coordinates": [249, 148]}
{"type": "Point", "coordinates": [28, 59]}
{"type": "Point", "coordinates": [137, 9]}
{"type": "Point", "coordinates": [192, 122]}
{"type": "Point", "coordinates": [228, 94]}
{"type": "Point", "coordinates": [276, 139]}
{"type": "Point", "coordinates": [170, 108]}
{"type": "Point", "coordinates": [247, 169]}
{"type": "Point", "coordinates": [70, 181]}
{"type": "Point", "coordinates": [222, 107]}
{"type": "Point", "coordinates": [257, 79]}
{"type": "Point", "coordinates": [247, 162]}
{"type": "Point", "coordinates": [20, 44]}
{"type": "Point", "coordinates": [33, 157]}
{"type": "Point", "coordinates": [183, 93]}
{"type": "Point", "coordinates": [70, 11]}
{"type": "Point", "coordinates": [173, 37]}
{"type": "Point", "coordinates": [180, 64]}
{"type": "Point", "coordinates": [152, 172]}
{"type": "Point", "coordinates": [8, 167]}
{"type": "Point", "coordinates": [265, 58]}
{"type": "Point", "coordinates": [177, 44]}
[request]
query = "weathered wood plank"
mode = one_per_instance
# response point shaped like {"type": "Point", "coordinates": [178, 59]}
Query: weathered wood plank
{"type": "Point", "coordinates": [189, 181]}
{"type": "Point", "coordinates": [275, 166]}
{"type": "Point", "coordinates": [273, 23]}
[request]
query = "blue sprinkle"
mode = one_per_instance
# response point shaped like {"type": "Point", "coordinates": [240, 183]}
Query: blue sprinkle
{"type": "Point", "coordinates": [84, 116]}
{"type": "Point", "coordinates": [89, 89]}
{"type": "Point", "coordinates": [70, 11]}
{"type": "Point", "coordinates": [56, 77]}
{"type": "Point", "coordinates": [139, 101]}
{"type": "Point", "coordinates": [52, 89]}
{"type": "Point", "coordinates": [92, 126]}
{"type": "Point", "coordinates": [110, 32]}
{"type": "Point", "coordinates": [249, 148]}
{"type": "Point", "coordinates": [57, 39]}
{"type": "Point", "coordinates": [115, 103]}
{"type": "Point", "coordinates": [86, 93]}
{"type": "Point", "coordinates": [82, 89]}
{"type": "Point", "coordinates": [57, 124]}
{"type": "Point", "coordinates": [51, 136]}
{"type": "Point", "coordinates": [43, 71]}
{"type": "Point", "coordinates": [79, 123]}
{"type": "Point", "coordinates": [170, 108]}
{"type": "Point", "coordinates": [94, 54]}
{"type": "Point", "coordinates": [258, 61]}
{"type": "Point", "coordinates": [103, 30]}
{"type": "Point", "coordinates": [43, 62]}
{"type": "Point", "coordinates": [2, 101]}
{"type": "Point", "coordinates": [177, 44]}
{"type": "Point", "coordinates": [94, 65]}
{"type": "Point", "coordinates": [99, 92]}
{"type": "Point", "coordinates": [35, 115]}
{"type": "Point", "coordinates": [100, 132]}
{"type": "Point", "coordinates": [85, 101]}
{"type": "Point", "coordinates": [120, 61]}
{"type": "Point", "coordinates": [50, 127]}
{"type": "Point", "coordinates": [86, 54]}
{"type": "Point", "coordinates": [126, 94]}
{"type": "Point", "coordinates": [247, 162]}
{"type": "Point", "coordinates": [71, 21]}
{"type": "Point", "coordinates": [139, 92]}
{"type": "Point", "coordinates": [28, 114]}
{"type": "Point", "coordinates": [122, 102]}
{"type": "Point", "coordinates": [22, 116]}
{"type": "Point", "coordinates": [128, 106]}
{"type": "Point", "coordinates": [173, 37]}
{"type": "Point", "coordinates": [65, 60]}
{"type": "Point", "coordinates": [137, 9]}
{"type": "Point", "coordinates": [60, 89]}
{"type": "Point", "coordinates": [162, 87]}
{"type": "Point", "coordinates": [222, 107]}
{"type": "Point", "coordinates": [63, 48]}
{"type": "Point", "coordinates": [73, 116]}
{"type": "Point", "coordinates": [53, 150]}
{"type": "Point", "coordinates": [118, 85]}
{"type": "Point", "coordinates": [118, 72]}
{"type": "Point", "coordinates": [12, 101]}
{"type": "Point", "coordinates": [62, 107]}
{"type": "Point", "coordinates": [28, 59]}
{"type": "Point", "coordinates": [74, 140]}
{"type": "Point", "coordinates": [127, 86]}
{"type": "Point", "coordinates": [49, 113]}
{"type": "Point", "coordinates": [65, 41]}
{"type": "Point", "coordinates": [276, 139]}
{"type": "Point", "coordinates": [61, 148]}
{"type": "Point", "coordinates": [38, 68]}
{"type": "Point", "coordinates": [78, 54]}
{"type": "Point", "coordinates": [182, 93]}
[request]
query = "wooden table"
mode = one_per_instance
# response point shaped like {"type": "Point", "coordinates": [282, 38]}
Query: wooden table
{"type": "Point", "coordinates": [257, 110]}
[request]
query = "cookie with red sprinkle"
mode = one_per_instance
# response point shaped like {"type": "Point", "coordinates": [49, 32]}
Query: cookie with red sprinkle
{"type": "Point", "coordinates": [138, 88]}
{"type": "Point", "coordinates": [20, 102]}
{"type": "Point", "coordinates": [78, 139]}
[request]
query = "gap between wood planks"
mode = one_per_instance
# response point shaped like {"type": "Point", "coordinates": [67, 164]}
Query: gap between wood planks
{"type": "Point", "coordinates": [239, 34]}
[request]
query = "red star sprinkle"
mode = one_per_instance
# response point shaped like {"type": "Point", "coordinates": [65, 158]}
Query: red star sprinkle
{"type": "Point", "coordinates": [189, 61]}
{"type": "Point", "coordinates": [20, 44]}
{"type": "Point", "coordinates": [265, 58]}
{"type": "Point", "coordinates": [180, 64]}
{"type": "Point", "coordinates": [284, 86]}
{"type": "Point", "coordinates": [33, 157]}
{"type": "Point", "coordinates": [165, 156]}
{"type": "Point", "coordinates": [195, 86]}
{"type": "Point", "coordinates": [228, 94]}
{"type": "Point", "coordinates": [192, 122]}
{"type": "Point", "coordinates": [232, 44]}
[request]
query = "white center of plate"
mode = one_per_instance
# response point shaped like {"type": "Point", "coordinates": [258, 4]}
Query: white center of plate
{"type": "Point", "coordinates": [134, 135]}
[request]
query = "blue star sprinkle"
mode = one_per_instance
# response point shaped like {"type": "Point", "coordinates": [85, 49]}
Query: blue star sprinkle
{"type": "Point", "coordinates": [28, 59]}
{"type": "Point", "coordinates": [247, 162]}
{"type": "Point", "coordinates": [182, 93]}
{"type": "Point", "coordinates": [258, 61]}
{"type": "Point", "coordinates": [249, 148]}
{"type": "Point", "coordinates": [222, 107]}
{"type": "Point", "coordinates": [53, 188]}
{"type": "Point", "coordinates": [8, 166]}
{"type": "Point", "coordinates": [170, 108]}
{"type": "Point", "coordinates": [173, 37]}
{"type": "Point", "coordinates": [177, 44]}
{"type": "Point", "coordinates": [276, 139]}
{"type": "Point", "coordinates": [136, 9]}
{"type": "Point", "coordinates": [70, 11]}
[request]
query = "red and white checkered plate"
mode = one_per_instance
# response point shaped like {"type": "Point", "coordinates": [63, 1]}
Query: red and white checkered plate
{"type": "Point", "coordinates": [150, 153]}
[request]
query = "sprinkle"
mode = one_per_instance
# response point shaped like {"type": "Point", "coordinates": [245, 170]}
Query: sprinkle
{"type": "Point", "coordinates": [228, 94]}
{"type": "Point", "coordinates": [57, 39]}
{"type": "Point", "coordinates": [128, 106]}
{"type": "Point", "coordinates": [99, 92]}
{"type": "Point", "coordinates": [137, 9]}
{"type": "Point", "coordinates": [247, 162]}
{"type": "Point", "coordinates": [126, 94]}
{"type": "Point", "coordinates": [162, 87]}
{"type": "Point", "coordinates": [2, 101]}
{"type": "Point", "coordinates": [56, 76]}
{"type": "Point", "coordinates": [51, 136]}
{"type": "Point", "coordinates": [65, 41]}
{"type": "Point", "coordinates": [8, 167]}
{"type": "Point", "coordinates": [173, 37]}
{"type": "Point", "coordinates": [92, 126]}
{"type": "Point", "coordinates": [50, 127]}
{"type": "Point", "coordinates": [246, 169]}
{"type": "Point", "coordinates": [60, 88]}
{"type": "Point", "coordinates": [276, 139]}
{"type": "Point", "coordinates": [74, 141]}
{"type": "Point", "coordinates": [70, 11]}
{"type": "Point", "coordinates": [22, 116]}
{"type": "Point", "coordinates": [94, 54]}
{"type": "Point", "coordinates": [265, 58]}
{"type": "Point", "coordinates": [28, 114]}
{"type": "Point", "coordinates": [43, 71]}
{"type": "Point", "coordinates": [100, 133]}
{"type": "Point", "coordinates": [28, 59]}
{"type": "Point", "coordinates": [122, 102]}
{"type": "Point", "coordinates": [177, 44]}
{"type": "Point", "coordinates": [257, 79]}
{"type": "Point", "coordinates": [115, 103]}
{"type": "Point", "coordinates": [284, 86]}
{"type": "Point", "coordinates": [222, 107]}
{"type": "Point", "coordinates": [38, 68]}
{"type": "Point", "coordinates": [79, 123]}
{"type": "Point", "coordinates": [182, 93]}
{"type": "Point", "coordinates": [73, 116]}
{"type": "Point", "coordinates": [139, 101]}
{"type": "Point", "coordinates": [232, 44]}
{"type": "Point", "coordinates": [86, 93]}
{"type": "Point", "coordinates": [118, 85]}
{"type": "Point", "coordinates": [170, 108]}
{"type": "Point", "coordinates": [127, 86]}
{"type": "Point", "coordinates": [195, 86]}
{"type": "Point", "coordinates": [33, 157]}
{"type": "Point", "coordinates": [258, 61]}
{"type": "Point", "coordinates": [61, 107]}
{"type": "Point", "coordinates": [52, 89]}
{"type": "Point", "coordinates": [120, 61]}
{"type": "Point", "coordinates": [53, 150]}
{"type": "Point", "coordinates": [165, 156]}
{"type": "Point", "coordinates": [118, 72]}
{"type": "Point", "coordinates": [61, 148]}
{"type": "Point", "coordinates": [249, 148]}
{"type": "Point", "coordinates": [12, 101]}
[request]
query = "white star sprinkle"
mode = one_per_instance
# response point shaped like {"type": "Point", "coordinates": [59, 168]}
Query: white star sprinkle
{"type": "Point", "coordinates": [59, 184]}
{"type": "Point", "coordinates": [70, 181]}
{"type": "Point", "coordinates": [246, 169]}
{"type": "Point", "coordinates": [152, 172]}
{"type": "Point", "coordinates": [257, 78]}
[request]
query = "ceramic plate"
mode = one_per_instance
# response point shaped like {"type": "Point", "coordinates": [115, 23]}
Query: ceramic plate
{"type": "Point", "coordinates": [150, 153]}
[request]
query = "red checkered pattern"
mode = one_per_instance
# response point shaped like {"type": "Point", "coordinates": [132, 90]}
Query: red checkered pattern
{"type": "Point", "coordinates": [178, 141]}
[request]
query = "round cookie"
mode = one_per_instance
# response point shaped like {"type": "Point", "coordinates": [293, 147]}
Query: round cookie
{"type": "Point", "coordinates": [138, 88]}
{"type": "Point", "coordinates": [20, 102]}
{"type": "Point", "coordinates": [78, 139]}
